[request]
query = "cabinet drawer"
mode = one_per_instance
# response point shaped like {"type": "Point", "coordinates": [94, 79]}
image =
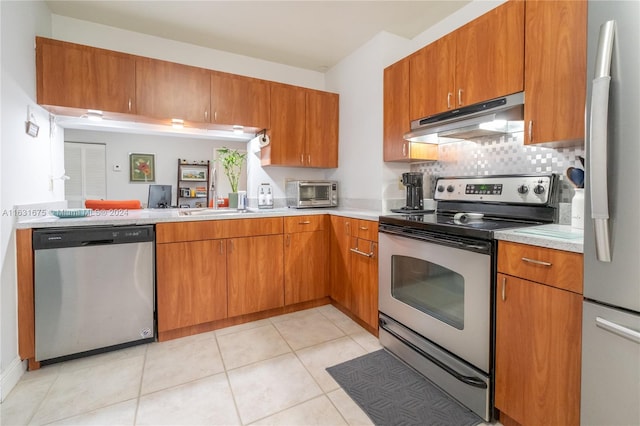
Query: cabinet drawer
{"type": "Point", "coordinates": [214, 229]}
{"type": "Point", "coordinates": [366, 229]}
{"type": "Point", "coordinates": [308, 223]}
{"type": "Point", "coordinates": [561, 269]}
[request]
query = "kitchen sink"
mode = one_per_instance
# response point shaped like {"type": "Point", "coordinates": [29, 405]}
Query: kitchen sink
{"type": "Point", "coordinates": [210, 212]}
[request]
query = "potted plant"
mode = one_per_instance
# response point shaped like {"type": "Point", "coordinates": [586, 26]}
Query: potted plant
{"type": "Point", "coordinates": [232, 160]}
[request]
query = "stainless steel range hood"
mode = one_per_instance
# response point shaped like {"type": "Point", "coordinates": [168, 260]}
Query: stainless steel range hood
{"type": "Point", "coordinates": [495, 117]}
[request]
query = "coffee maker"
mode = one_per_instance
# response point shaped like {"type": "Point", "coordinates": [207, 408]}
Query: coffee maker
{"type": "Point", "coordinates": [414, 202]}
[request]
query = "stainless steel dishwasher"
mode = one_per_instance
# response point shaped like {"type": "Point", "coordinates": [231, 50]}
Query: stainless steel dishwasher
{"type": "Point", "coordinates": [94, 289]}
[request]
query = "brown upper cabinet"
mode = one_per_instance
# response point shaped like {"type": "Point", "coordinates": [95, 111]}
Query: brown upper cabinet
{"type": "Point", "coordinates": [168, 90]}
{"type": "Point", "coordinates": [396, 118]}
{"type": "Point", "coordinates": [75, 76]}
{"type": "Point", "coordinates": [304, 128]}
{"type": "Point", "coordinates": [482, 60]}
{"type": "Point", "coordinates": [555, 77]}
{"type": "Point", "coordinates": [238, 100]}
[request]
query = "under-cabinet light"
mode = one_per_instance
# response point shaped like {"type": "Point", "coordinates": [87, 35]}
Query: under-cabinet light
{"type": "Point", "coordinates": [177, 123]}
{"type": "Point", "coordinates": [94, 114]}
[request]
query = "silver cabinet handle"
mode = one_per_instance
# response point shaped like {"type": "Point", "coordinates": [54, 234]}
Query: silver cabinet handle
{"type": "Point", "coordinates": [460, 96]}
{"type": "Point", "coordinates": [355, 250]}
{"type": "Point", "coordinates": [309, 159]}
{"type": "Point", "coordinates": [129, 104]}
{"type": "Point", "coordinates": [598, 132]}
{"type": "Point", "coordinates": [288, 243]}
{"type": "Point", "coordinates": [305, 222]}
{"type": "Point", "coordinates": [618, 329]}
{"type": "Point", "coordinates": [348, 226]}
{"type": "Point", "coordinates": [301, 158]}
{"type": "Point", "coordinates": [221, 246]}
{"type": "Point", "coordinates": [215, 116]}
{"type": "Point", "coordinates": [404, 149]}
{"type": "Point", "coordinates": [504, 289]}
{"type": "Point", "coordinates": [206, 115]}
{"type": "Point", "coordinates": [449, 95]}
{"type": "Point", "coordinates": [530, 130]}
{"type": "Point", "coordinates": [364, 228]}
{"type": "Point", "coordinates": [536, 262]}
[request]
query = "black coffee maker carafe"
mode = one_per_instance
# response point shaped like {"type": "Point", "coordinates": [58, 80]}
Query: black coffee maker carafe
{"type": "Point", "coordinates": [413, 183]}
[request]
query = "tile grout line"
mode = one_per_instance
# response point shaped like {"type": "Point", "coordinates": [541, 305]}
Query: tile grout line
{"type": "Point", "coordinates": [144, 364]}
{"type": "Point", "coordinates": [39, 405]}
{"type": "Point", "coordinates": [226, 375]}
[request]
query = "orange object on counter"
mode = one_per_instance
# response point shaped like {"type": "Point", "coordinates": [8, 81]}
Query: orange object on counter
{"type": "Point", "coordinates": [112, 204]}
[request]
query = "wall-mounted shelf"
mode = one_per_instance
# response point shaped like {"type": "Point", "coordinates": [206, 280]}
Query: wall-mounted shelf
{"type": "Point", "coordinates": [193, 183]}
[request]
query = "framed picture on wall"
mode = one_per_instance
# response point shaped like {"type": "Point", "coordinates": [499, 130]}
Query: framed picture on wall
{"type": "Point", "coordinates": [195, 173]}
{"type": "Point", "coordinates": [142, 167]}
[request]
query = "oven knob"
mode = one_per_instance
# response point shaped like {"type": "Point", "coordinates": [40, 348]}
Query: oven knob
{"type": "Point", "coordinates": [523, 189]}
{"type": "Point", "coordinates": [538, 189]}
{"type": "Point", "coordinates": [450, 188]}
{"type": "Point", "coordinates": [440, 188]}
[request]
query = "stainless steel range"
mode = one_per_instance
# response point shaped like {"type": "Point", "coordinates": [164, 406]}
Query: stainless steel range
{"type": "Point", "coordinates": [437, 278]}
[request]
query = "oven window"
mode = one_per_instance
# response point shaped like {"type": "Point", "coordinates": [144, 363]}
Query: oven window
{"type": "Point", "coordinates": [314, 192]}
{"type": "Point", "coordinates": [431, 288]}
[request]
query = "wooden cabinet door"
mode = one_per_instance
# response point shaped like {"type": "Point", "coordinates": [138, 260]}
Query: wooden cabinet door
{"type": "Point", "coordinates": [321, 147]}
{"type": "Point", "coordinates": [237, 100]}
{"type": "Point", "coordinates": [432, 76]}
{"type": "Point", "coordinates": [538, 345]}
{"type": "Point", "coordinates": [255, 274]}
{"type": "Point", "coordinates": [76, 76]}
{"type": "Point", "coordinates": [340, 259]}
{"type": "Point", "coordinates": [490, 55]}
{"type": "Point", "coordinates": [364, 281]}
{"type": "Point", "coordinates": [167, 90]}
{"type": "Point", "coordinates": [397, 120]}
{"type": "Point", "coordinates": [191, 283]}
{"type": "Point", "coordinates": [305, 272]}
{"type": "Point", "coordinates": [555, 63]}
{"type": "Point", "coordinates": [287, 130]}
{"type": "Point", "coordinates": [396, 111]}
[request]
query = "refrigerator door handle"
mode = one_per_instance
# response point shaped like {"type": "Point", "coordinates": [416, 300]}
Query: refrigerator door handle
{"type": "Point", "coordinates": [598, 141]}
{"type": "Point", "coordinates": [618, 329]}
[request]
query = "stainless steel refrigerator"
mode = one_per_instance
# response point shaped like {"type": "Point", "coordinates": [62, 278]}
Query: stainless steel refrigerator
{"type": "Point", "coordinates": [611, 310]}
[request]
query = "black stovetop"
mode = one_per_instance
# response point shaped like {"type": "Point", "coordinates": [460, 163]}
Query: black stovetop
{"type": "Point", "coordinates": [446, 223]}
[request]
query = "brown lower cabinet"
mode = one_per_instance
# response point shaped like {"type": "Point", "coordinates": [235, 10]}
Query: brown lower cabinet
{"type": "Point", "coordinates": [255, 274]}
{"type": "Point", "coordinates": [538, 335]}
{"type": "Point", "coordinates": [305, 258]}
{"type": "Point", "coordinates": [192, 283]}
{"type": "Point", "coordinates": [354, 268]}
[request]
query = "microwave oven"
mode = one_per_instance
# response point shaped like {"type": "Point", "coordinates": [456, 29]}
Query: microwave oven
{"type": "Point", "coordinates": [303, 194]}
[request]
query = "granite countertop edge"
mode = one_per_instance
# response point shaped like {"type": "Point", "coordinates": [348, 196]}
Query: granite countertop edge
{"type": "Point", "coordinates": [151, 217]}
{"type": "Point", "coordinates": [574, 244]}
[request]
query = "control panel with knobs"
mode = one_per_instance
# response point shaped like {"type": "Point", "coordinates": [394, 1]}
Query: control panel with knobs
{"type": "Point", "coordinates": [521, 189]}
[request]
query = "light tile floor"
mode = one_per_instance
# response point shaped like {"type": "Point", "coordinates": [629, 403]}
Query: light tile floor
{"type": "Point", "coordinates": [267, 372]}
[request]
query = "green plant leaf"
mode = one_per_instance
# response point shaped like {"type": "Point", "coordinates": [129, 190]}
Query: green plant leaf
{"type": "Point", "coordinates": [232, 161]}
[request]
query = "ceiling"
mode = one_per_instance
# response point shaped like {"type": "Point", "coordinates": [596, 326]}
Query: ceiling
{"type": "Point", "coordinates": [314, 35]}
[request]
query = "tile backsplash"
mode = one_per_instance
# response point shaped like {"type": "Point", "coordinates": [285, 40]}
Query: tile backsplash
{"type": "Point", "coordinates": [501, 155]}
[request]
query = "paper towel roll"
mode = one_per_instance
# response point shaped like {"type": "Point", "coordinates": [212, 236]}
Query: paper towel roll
{"type": "Point", "coordinates": [263, 140]}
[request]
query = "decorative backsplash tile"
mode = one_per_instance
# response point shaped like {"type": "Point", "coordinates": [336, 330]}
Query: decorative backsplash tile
{"type": "Point", "coordinates": [501, 155]}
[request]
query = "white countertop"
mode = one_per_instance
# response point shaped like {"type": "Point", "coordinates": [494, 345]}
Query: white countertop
{"type": "Point", "coordinates": [559, 237]}
{"type": "Point", "coordinates": [117, 217]}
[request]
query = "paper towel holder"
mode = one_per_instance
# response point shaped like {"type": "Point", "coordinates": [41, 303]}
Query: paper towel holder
{"type": "Point", "coordinates": [264, 138]}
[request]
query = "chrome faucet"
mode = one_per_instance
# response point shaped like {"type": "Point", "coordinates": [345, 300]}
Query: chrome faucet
{"type": "Point", "coordinates": [214, 191]}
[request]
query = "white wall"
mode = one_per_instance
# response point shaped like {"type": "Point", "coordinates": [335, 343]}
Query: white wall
{"type": "Point", "coordinates": [167, 151]}
{"type": "Point", "coordinates": [27, 162]}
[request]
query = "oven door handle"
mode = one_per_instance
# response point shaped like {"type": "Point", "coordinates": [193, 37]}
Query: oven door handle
{"type": "Point", "coordinates": [469, 380]}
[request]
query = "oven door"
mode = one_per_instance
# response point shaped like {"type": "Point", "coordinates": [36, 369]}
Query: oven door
{"type": "Point", "coordinates": [440, 291]}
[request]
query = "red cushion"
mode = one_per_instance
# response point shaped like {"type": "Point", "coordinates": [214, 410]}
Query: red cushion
{"type": "Point", "coordinates": [112, 204]}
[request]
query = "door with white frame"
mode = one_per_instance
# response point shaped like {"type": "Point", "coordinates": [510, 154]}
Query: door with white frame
{"type": "Point", "coordinates": [85, 164]}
